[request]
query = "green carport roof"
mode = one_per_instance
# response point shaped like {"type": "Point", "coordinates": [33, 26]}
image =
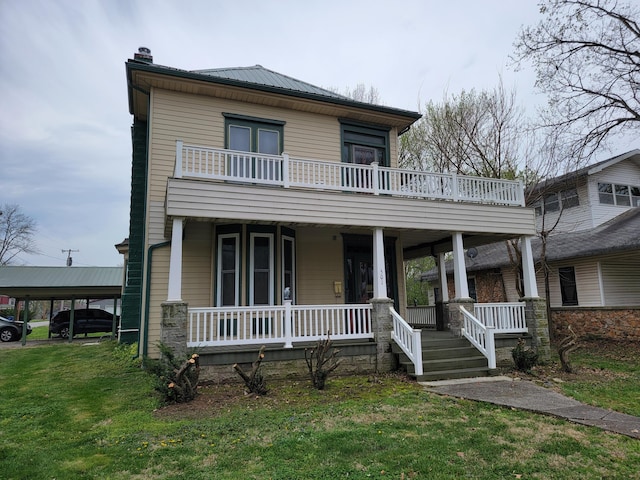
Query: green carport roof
{"type": "Point", "coordinates": [61, 282]}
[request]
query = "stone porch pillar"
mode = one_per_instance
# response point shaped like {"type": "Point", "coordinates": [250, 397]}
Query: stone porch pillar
{"type": "Point", "coordinates": [535, 311]}
{"type": "Point", "coordinates": [382, 325]}
{"type": "Point", "coordinates": [173, 330]}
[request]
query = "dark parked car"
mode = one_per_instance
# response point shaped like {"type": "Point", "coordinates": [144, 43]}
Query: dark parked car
{"type": "Point", "coordinates": [11, 330]}
{"type": "Point", "coordinates": [85, 320]}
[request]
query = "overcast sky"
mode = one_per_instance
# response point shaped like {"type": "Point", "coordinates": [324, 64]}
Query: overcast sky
{"type": "Point", "coordinates": [65, 148]}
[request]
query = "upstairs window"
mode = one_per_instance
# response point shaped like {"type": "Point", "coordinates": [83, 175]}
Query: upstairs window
{"type": "Point", "coordinates": [569, 198]}
{"type": "Point", "coordinates": [554, 202]}
{"type": "Point", "coordinates": [251, 134]}
{"type": "Point", "coordinates": [622, 195]}
{"type": "Point", "coordinates": [364, 144]}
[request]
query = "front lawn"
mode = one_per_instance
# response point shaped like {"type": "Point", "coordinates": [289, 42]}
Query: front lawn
{"type": "Point", "coordinates": [86, 411]}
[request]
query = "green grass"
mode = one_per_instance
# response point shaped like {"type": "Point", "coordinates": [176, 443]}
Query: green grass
{"type": "Point", "coordinates": [71, 412]}
{"type": "Point", "coordinates": [608, 376]}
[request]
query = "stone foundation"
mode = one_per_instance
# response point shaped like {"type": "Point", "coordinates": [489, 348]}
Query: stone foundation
{"type": "Point", "coordinates": [291, 367]}
{"type": "Point", "coordinates": [605, 322]}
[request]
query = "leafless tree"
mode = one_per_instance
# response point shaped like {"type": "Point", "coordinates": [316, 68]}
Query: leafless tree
{"type": "Point", "coordinates": [16, 233]}
{"type": "Point", "coordinates": [587, 59]}
{"type": "Point", "coordinates": [483, 133]}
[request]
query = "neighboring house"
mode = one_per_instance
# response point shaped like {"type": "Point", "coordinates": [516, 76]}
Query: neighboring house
{"type": "Point", "coordinates": [593, 252]}
{"type": "Point", "coordinates": [265, 210]}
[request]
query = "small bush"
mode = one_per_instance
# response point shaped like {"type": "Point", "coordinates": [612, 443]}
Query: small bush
{"type": "Point", "coordinates": [524, 358]}
{"type": "Point", "coordinates": [176, 379]}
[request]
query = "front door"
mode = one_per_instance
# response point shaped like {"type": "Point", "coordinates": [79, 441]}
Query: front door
{"type": "Point", "coordinates": [359, 269]}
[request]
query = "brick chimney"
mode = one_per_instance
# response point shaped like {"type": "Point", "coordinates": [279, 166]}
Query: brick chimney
{"type": "Point", "coordinates": [144, 55]}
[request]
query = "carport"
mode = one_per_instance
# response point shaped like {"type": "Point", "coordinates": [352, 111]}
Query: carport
{"type": "Point", "coordinates": [61, 283]}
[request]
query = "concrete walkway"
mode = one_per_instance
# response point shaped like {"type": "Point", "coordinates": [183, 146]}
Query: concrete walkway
{"type": "Point", "coordinates": [526, 395]}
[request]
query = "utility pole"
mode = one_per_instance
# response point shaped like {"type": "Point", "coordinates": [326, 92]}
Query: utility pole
{"type": "Point", "coordinates": [69, 258]}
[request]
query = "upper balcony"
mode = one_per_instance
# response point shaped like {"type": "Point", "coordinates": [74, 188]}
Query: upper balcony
{"type": "Point", "coordinates": [197, 162]}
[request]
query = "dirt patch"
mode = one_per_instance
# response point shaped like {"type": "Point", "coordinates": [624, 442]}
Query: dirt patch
{"type": "Point", "coordinates": [215, 399]}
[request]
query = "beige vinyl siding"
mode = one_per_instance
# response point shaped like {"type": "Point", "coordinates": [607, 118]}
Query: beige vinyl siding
{"type": "Point", "coordinates": [587, 283]}
{"type": "Point", "coordinates": [197, 264]}
{"type": "Point", "coordinates": [623, 173]}
{"type": "Point", "coordinates": [621, 280]}
{"type": "Point", "coordinates": [156, 222]}
{"type": "Point", "coordinates": [157, 295]}
{"type": "Point", "coordinates": [199, 120]}
{"type": "Point", "coordinates": [319, 263]}
{"type": "Point", "coordinates": [253, 203]}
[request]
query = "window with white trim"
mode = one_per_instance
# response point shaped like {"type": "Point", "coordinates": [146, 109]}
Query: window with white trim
{"type": "Point", "coordinates": [228, 280]}
{"type": "Point", "coordinates": [261, 262]}
{"type": "Point", "coordinates": [622, 195]}
{"type": "Point", "coordinates": [568, 286]}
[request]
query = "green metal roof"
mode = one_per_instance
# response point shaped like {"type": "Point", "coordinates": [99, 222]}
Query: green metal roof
{"type": "Point", "coordinates": [263, 79]}
{"type": "Point", "coordinates": [60, 282]}
{"type": "Point", "coordinates": [263, 76]}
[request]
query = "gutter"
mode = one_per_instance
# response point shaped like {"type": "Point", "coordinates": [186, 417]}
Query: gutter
{"type": "Point", "coordinates": [147, 295]}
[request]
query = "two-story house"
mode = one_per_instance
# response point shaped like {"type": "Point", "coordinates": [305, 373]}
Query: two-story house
{"type": "Point", "coordinates": [593, 251]}
{"type": "Point", "coordinates": [268, 211]}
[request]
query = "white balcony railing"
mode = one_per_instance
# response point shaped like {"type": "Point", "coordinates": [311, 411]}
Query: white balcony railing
{"type": "Point", "coordinates": [503, 317]}
{"type": "Point", "coordinates": [219, 164]}
{"type": "Point", "coordinates": [280, 324]}
{"type": "Point", "coordinates": [408, 339]}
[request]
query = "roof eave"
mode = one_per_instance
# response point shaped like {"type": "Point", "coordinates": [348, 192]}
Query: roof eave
{"type": "Point", "coordinates": [133, 65]}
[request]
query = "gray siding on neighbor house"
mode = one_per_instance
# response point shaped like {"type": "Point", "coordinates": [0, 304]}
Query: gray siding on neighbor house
{"type": "Point", "coordinates": [623, 173]}
{"type": "Point", "coordinates": [621, 280]}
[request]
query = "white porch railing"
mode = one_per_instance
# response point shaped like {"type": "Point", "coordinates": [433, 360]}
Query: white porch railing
{"type": "Point", "coordinates": [424, 315]}
{"type": "Point", "coordinates": [481, 336]}
{"type": "Point", "coordinates": [409, 339]}
{"type": "Point", "coordinates": [283, 324]}
{"type": "Point", "coordinates": [503, 317]}
{"type": "Point", "coordinates": [219, 164]}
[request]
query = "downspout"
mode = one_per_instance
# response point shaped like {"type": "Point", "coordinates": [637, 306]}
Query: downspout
{"type": "Point", "coordinates": [147, 295]}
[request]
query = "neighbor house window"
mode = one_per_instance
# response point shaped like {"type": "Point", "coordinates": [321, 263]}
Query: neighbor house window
{"type": "Point", "coordinates": [551, 203]}
{"type": "Point", "coordinates": [568, 288]}
{"type": "Point", "coordinates": [471, 284]}
{"type": "Point", "coordinates": [261, 285]}
{"type": "Point", "coordinates": [623, 195]}
{"type": "Point", "coordinates": [228, 270]}
{"type": "Point", "coordinates": [569, 198]}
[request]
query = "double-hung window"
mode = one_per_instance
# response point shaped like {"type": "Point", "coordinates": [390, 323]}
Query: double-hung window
{"type": "Point", "coordinates": [249, 135]}
{"type": "Point", "coordinates": [228, 270]}
{"type": "Point", "coordinates": [261, 269]}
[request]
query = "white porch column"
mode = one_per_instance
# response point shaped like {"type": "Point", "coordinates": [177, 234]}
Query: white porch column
{"type": "Point", "coordinates": [459, 268]}
{"type": "Point", "coordinates": [175, 263]}
{"type": "Point", "coordinates": [528, 268]}
{"type": "Point", "coordinates": [380, 280]}
{"type": "Point", "coordinates": [442, 276]}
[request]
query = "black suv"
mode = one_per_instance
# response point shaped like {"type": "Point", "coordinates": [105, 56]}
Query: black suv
{"type": "Point", "coordinates": [85, 320]}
